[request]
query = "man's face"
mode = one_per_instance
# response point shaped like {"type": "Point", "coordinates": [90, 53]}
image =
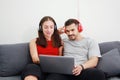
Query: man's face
{"type": "Point", "coordinates": [72, 31]}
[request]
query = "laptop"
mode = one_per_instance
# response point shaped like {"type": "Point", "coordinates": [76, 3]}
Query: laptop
{"type": "Point", "coordinates": [57, 64]}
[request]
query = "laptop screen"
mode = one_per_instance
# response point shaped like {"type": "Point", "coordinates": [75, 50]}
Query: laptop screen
{"type": "Point", "coordinates": [56, 64]}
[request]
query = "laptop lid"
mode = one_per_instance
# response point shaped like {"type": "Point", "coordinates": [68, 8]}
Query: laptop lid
{"type": "Point", "coordinates": [57, 64]}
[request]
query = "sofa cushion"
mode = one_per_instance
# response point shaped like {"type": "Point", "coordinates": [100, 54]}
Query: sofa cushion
{"type": "Point", "coordinates": [110, 62]}
{"type": "Point", "coordinates": [113, 78]}
{"type": "Point", "coordinates": [11, 78]}
{"type": "Point", "coordinates": [107, 46]}
{"type": "Point", "coordinates": [13, 58]}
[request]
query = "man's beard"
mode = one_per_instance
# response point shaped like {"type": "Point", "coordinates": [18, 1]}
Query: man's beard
{"type": "Point", "coordinates": [72, 37]}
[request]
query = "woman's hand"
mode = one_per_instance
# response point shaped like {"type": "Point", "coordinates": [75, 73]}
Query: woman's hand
{"type": "Point", "coordinates": [36, 60]}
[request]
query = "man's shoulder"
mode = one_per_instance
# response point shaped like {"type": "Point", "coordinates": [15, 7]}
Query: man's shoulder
{"type": "Point", "coordinates": [65, 39]}
{"type": "Point", "coordinates": [89, 40]}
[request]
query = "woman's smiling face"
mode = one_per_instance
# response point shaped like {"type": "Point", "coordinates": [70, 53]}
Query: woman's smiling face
{"type": "Point", "coordinates": [48, 28]}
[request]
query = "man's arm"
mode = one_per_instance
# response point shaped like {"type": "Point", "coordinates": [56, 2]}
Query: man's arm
{"type": "Point", "coordinates": [92, 62]}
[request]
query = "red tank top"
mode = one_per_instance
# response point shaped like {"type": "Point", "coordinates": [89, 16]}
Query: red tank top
{"type": "Point", "coordinates": [49, 50]}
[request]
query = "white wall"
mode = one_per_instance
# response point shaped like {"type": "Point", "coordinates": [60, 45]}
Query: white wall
{"type": "Point", "coordinates": [101, 19]}
{"type": "Point", "coordinates": [19, 19]}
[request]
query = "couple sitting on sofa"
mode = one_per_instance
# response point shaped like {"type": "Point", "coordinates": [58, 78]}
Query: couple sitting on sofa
{"type": "Point", "coordinates": [84, 50]}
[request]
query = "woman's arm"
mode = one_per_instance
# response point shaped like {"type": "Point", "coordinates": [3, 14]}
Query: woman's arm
{"type": "Point", "coordinates": [33, 51]}
{"type": "Point", "coordinates": [61, 49]}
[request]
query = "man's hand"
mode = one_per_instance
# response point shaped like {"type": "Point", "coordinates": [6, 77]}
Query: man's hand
{"type": "Point", "coordinates": [77, 70]}
{"type": "Point", "coordinates": [61, 30]}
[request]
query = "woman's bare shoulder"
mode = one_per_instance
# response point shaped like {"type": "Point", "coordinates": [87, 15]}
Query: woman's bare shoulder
{"type": "Point", "coordinates": [33, 41]}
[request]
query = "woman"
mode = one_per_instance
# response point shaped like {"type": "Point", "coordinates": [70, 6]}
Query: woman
{"type": "Point", "coordinates": [48, 42]}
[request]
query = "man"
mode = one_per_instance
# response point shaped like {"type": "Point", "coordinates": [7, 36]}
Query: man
{"type": "Point", "coordinates": [85, 51]}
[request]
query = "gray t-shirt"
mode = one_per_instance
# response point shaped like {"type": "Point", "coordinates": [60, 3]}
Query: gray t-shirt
{"type": "Point", "coordinates": [81, 50]}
